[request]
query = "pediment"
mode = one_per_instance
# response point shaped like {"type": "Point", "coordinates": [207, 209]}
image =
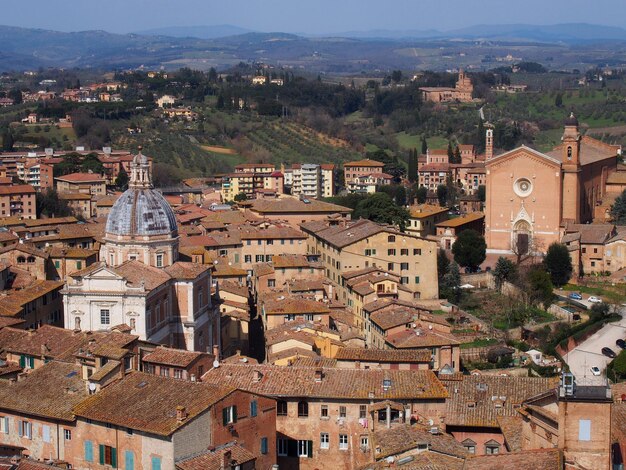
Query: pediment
{"type": "Point", "coordinates": [104, 273]}
{"type": "Point", "coordinates": [523, 152]}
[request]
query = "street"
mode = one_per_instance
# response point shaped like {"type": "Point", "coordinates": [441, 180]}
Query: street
{"type": "Point", "coordinates": [588, 354]}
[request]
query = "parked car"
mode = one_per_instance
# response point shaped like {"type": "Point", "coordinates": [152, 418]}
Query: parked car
{"type": "Point", "coordinates": [595, 300]}
{"type": "Point", "coordinates": [595, 370]}
{"type": "Point", "coordinates": [575, 296]}
{"type": "Point", "coordinates": [608, 352]}
{"type": "Point", "coordinates": [621, 343]}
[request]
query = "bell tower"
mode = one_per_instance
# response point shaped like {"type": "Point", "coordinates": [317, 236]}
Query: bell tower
{"type": "Point", "coordinates": [571, 171]}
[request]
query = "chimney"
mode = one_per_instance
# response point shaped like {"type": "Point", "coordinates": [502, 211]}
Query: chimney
{"type": "Point", "coordinates": [181, 414]}
{"type": "Point", "coordinates": [489, 142]}
{"type": "Point", "coordinates": [216, 352]}
{"type": "Point", "coordinates": [318, 375]}
{"type": "Point", "coordinates": [257, 376]}
{"type": "Point", "coordinates": [228, 460]}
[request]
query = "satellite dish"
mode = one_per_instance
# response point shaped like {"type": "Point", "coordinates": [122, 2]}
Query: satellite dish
{"type": "Point", "coordinates": [216, 363]}
{"type": "Point", "coordinates": [92, 386]}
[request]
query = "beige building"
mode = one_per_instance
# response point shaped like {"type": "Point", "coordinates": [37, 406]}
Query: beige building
{"type": "Point", "coordinates": [86, 183]}
{"type": "Point", "coordinates": [250, 178]}
{"type": "Point", "coordinates": [530, 195]}
{"type": "Point", "coordinates": [423, 219]}
{"type": "Point", "coordinates": [354, 170]}
{"type": "Point", "coordinates": [80, 203]}
{"type": "Point", "coordinates": [352, 245]}
{"type": "Point", "coordinates": [18, 201]}
{"type": "Point", "coordinates": [461, 92]}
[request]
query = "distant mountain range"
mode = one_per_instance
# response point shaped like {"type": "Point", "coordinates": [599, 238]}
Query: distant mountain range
{"type": "Point", "coordinates": [225, 45]}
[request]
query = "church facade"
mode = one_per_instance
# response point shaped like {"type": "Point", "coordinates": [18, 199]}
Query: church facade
{"type": "Point", "coordinates": [139, 281]}
{"type": "Point", "coordinates": [531, 195]}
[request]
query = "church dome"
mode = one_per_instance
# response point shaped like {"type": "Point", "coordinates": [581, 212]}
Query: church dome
{"type": "Point", "coordinates": [571, 121]}
{"type": "Point", "coordinates": [141, 211]}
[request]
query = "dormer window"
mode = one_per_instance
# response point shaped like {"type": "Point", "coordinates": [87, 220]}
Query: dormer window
{"type": "Point", "coordinates": [569, 153]}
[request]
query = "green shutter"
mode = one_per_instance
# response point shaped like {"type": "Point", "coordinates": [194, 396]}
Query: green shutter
{"type": "Point", "coordinates": [101, 449]}
{"type": "Point", "coordinates": [129, 459]}
{"type": "Point", "coordinates": [22, 361]}
{"type": "Point", "coordinates": [309, 449]}
{"type": "Point", "coordinates": [114, 457]}
{"type": "Point", "coordinates": [224, 416]}
{"type": "Point", "coordinates": [156, 463]}
{"type": "Point", "coordinates": [31, 362]}
{"type": "Point", "coordinates": [253, 407]}
{"type": "Point", "coordinates": [234, 414]}
{"type": "Point", "coordinates": [88, 451]}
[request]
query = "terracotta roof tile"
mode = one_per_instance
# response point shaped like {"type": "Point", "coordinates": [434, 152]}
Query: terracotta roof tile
{"type": "Point", "coordinates": [185, 270]}
{"type": "Point", "coordinates": [214, 460]}
{"type": "Point", "coordinates": [544, 459]}
{"type": "Point", "coordinates": [148, 403]}
{"type": "Point", "coordinates": [355, 384]}
{"type": "Point", "coordinates": [81, 178]}
{"type": "Point", "coordinates": [173, 357]}
{"type": "Point", "coordinates": [365, 162]}
{"type": "Point", "coordinates": [403, 438]}
{"type": "Point", "coordinates": [383, 355]}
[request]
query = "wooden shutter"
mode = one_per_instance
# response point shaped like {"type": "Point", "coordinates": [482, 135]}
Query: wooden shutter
{"type": "Point", "coordinates": [113, 457]}
{"type": "Point", "coordinates": [224, 416]}
{"type": "Point", "coordinates": [156, 463]}
{"type": "Point", "coordinates": [234, 414]}
{"type": "Point", "coordinates": [309, 449]}
{"type": "Point", "coordinates": [88, 451]}
{"type": "Point", "coordinates": [129, 460]}
{"type": "Point", "coordinates": [101, 454]}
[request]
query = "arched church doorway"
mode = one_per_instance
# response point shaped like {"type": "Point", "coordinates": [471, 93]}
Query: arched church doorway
{"type": "Point", "coordinates": [521, 237]}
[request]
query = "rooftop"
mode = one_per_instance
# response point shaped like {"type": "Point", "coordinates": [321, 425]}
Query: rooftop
{"type": "Point", "coordinates": [81, 178]}
{"type": "Point", "coordinates": [173, 357]}
{"type": "Point", "coordinates": [383, 355]}
{"type": "Point", "coordinates": [214, 460]}
{"type": "Point", "coordinates": [365, 162]}
{"type": "Point", "coordinates": [293, 205]}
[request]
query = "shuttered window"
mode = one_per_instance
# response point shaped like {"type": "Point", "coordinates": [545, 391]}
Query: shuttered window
{"type": "Point", "coordinates": [88, 451]}
{"type": "Point", "coordinates": [129, 460]}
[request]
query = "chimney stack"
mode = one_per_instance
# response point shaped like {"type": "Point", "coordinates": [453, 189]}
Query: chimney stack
{"type": "Point", "coordinates": [228, 460]}
{"type": "Point", "coordinates": [318, 375]}
{"type": "Point", "coordinates": [216, 352]}
{"type": "Point", "coordinates": [181, 414]}
{"type": "Point", "coordinates": [257, 376]}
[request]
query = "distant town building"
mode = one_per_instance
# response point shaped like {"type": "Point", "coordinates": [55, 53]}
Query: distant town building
{"type": "Point", "coordinates": [461, 92]}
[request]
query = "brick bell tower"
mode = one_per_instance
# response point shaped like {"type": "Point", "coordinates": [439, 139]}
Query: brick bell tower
{"type": "Point", "coordinates": [571, 171]}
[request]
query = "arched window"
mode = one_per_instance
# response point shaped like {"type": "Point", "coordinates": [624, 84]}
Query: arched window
{"type": "Point", "coordinates": [21, 260]}
{"type": "Point", "coordinates": [31, 259]}
{"type": "Point", "coordinates": [303, 409]}
{"type": "Point", "coordinates": [569, 153]}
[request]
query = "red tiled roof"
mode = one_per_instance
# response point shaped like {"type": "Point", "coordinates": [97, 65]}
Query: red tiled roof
{"type": "Point", "coordinates": [82, 178]}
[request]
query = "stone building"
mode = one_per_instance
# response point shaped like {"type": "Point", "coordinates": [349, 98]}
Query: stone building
{"type": "Point", "coordinates": [461, 92]}
{"type": "Point", "coordinates": [530, 194]}
{"type": "Point", "coordinates": [139, 280]}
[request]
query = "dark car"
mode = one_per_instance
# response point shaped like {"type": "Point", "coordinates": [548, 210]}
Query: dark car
{"type": "Point", "coordinates": [621, 343]}
{"type": "Point", "coordinates": [608, 352]}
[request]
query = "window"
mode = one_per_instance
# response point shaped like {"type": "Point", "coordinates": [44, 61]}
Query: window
{"type": "Point", "coordinates": [584, 429]}
{"type": "Point", "coordinates": [159, 261]}
{"type": "Point", "coordinates": [148, 368]}
{"type": "Point", "coordinates": [343, 441]}
{"type": "Point", "coordinates": [229, 415]}
{"type": "Point", "coordinates": [324, 440]}
{"type": "Point", "coordinates": [365, 442]}
{"type": "Point", "coordinates": [404, 252]}
{"type": "Point", "coordinates": [305, 448]}
{"type": "Point", "coordinates": [492, 449]}
{"type": "Point", "coordinates": [178, 373]}
{"type": "Point", "coordinates": [165, 371]}
{"type": "Point", "coordinates": [105, 317]}
{"type": "Point", "coordinates": [391, 252]}
{"type": "Point", "coordinates": [57, 264]}
{"type": "Point", "coordinates": [362, 411]}
{"type": "Point", "coordinates": [253, 408]}
{"type": "Point", "coordinates": [156, 463]}
{"type": "Point", "coordinates": [303, 409]}
{"type": "Point", "coordinates": [67, 434]}
{"type": "Point", "coordinates": [404, 280]}
{"type": "Point", "coordinates": [391, 239]}
{"type": "Point", "coordinates": [389, 266]}
{"type": "Point", "coordinates": [259, 258]}
{"type": "Point", "coordinates": [4, 424]}
{"type": "Point", "coordinates": [417, 251]}
{"type": "Point", "coordinates": [79, 265]}
{"type": "Point", "coordinates": [282, 447]}
{"type": "Point", "coordinates": [471, 449]}
{"type": "Point", "coordinates": [281, 408]}
{"type": "Point", "coordinates": [108, 455]}
{"type": "Point", "coordinates": [271, 283]}
{"type": "Point", "coordinates": [342, 412]}
{"type": "Point", "coordinates": [45, 433]}
{"type": "Point", "coordinates": [264, 445]}
{"type": "Point", "coordinates": [290, 317]}
{"type": "Point", "coordinates": [247, 259]}
{"type": "Point", "coordinates": [88, 451]}
{"type": "Point", "coordinates": [324, 411]}
{"type": "Point", "coordinates": [308, 316]}
{"type": "Point", "coordinates": [417, 279]}
{"type": "Point", "coordinates": [129, 460]}
{"type": "Point", "coordinates": [25, 429]}
{"type": "Point", "coordinates": [404, 266]}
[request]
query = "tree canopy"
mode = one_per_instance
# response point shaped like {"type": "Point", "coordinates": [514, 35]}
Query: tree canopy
{"type": "Point", "coordinates": [504, 270]}
{"type": "Point", "coordinates": [618, 209]}
{"type": "Point", "coordinates": [469, 249]}
{"type": "Point", "coordinates": [558, 263]}
{"type": "Point", "coordinates": [379, 207]}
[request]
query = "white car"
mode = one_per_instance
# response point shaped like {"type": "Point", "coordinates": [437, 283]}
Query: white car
{"type": "Point", "coordinates": [595, 371]}
{"type": "Point", "coordinates": [595, 300]}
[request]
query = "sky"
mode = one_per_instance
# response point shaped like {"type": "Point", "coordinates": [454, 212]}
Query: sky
{"type": "Point", "coordinates": [303, 16]}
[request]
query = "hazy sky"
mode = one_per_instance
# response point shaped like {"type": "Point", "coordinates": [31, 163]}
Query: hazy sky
{"type": "Point", "coordinates": [308, 16]}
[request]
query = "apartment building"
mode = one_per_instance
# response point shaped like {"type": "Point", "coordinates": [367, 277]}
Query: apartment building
{"type": "Point", "coordinates": [18, 201]}
{"type": "Point", "coordinates": [325, 415]}
{"type": "Point", "coordinates": [309, 180]}
{"type": "Point", "coordinates": [423, 219]}
{"type": "Point", "coordinates": [250, 178]}
{"type": "Point", "coordinates": [86, 183]}
{"type": "Point", "coordinates": [354, 170]}
{"type": "Point", "coordinates": [352, 245]}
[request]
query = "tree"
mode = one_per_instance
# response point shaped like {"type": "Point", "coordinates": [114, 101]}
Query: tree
{"type": "Point", "coordinates": [47, 203]}
{"type": "Point", "coordinates": [7, 141]}
{"type": "Point", "coordinates": [240, 197]}
{"type": "Point", "coordinates": [469, 249]}
{"type": "Point", "coordinates": [424, 145]}
{"type": "Point", "coordinates": [457, 155]}
{"type": "Point", "coordinates": [442, 194]}
{"type": "Point", "coordinates": [396, 76]}
{"type": "Point", "coordinates": [558, 264]}
{"type": "Point", "coordinates": [442, 264]}
{"type": "Point", "coordinates": [450, 287]}
{"type": "Point", "coordinates": [504, 270]}
{"type": "Point", "coordinates": [558, 101]}
{"type": "Point", "coordinates": [450, 153]}
{"type": "Point", "coordinates": [537, 285]}
{"type": "Point", "coordinates": [482, 193]}
{"type": "Point", "coordinates": [412, 175]}
{"type": "Point", "coordinates": [618, 209]}
{"type": "Point", "coordinates": [380, 208]}
{"type": "Point", "coordinates": [421, 194]}
{"type": "Point", "coordinates": [122, 180]}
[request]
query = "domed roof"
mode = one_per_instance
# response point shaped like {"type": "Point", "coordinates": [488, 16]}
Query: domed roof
{"type": "Point", "coordinates": [141, 212]}
{"type": "Point", "coordinates": [571, 120]}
